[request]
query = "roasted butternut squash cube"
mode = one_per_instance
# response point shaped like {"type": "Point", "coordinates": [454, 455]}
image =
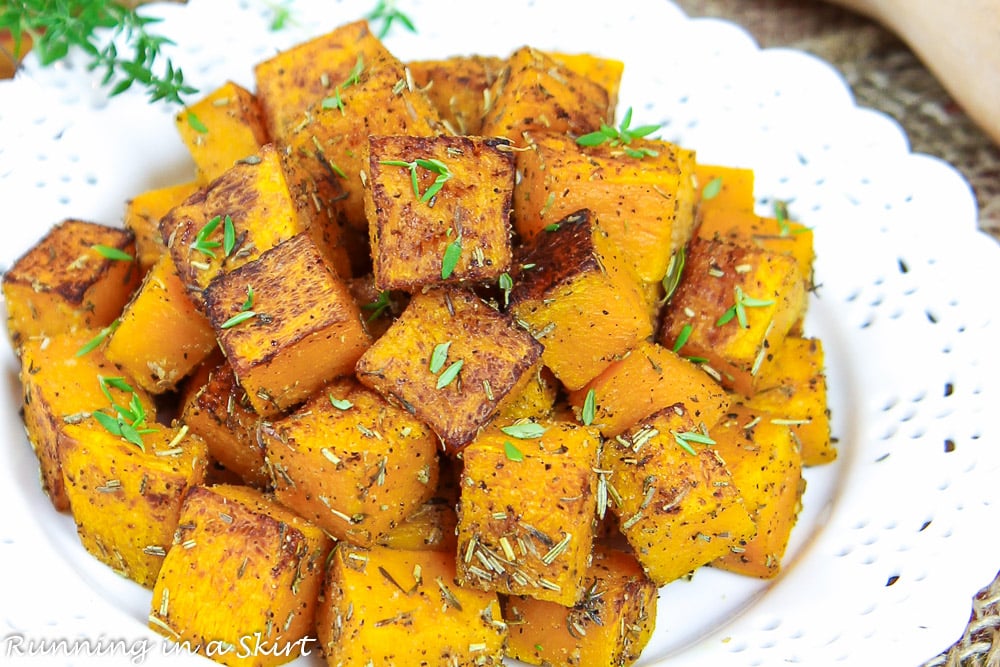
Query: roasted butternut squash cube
{"type": "Point", "coordinates": [537, 398]}
{"type": "Point", "coordinates": [609, 625]}
{"type": "Point", "coordinates": [733, 305]}
{"type": "Point", "coordinates": [126, 499]}
{"type": "Point", "coordinates": [794, 389]}
{"type": "Point", "coordinates": [533, 92]}
{"type": "Point", "coordinates": [605, 72]}
{"type": "Point", "coordinates": [457, 88]}
{"type": "Point", "coordinates": [252, 201]}
{"type": "Point", "coordinates": [645, 205]}
{"type": "Point", "coordinates": [648, 379]}
{"type": "Point", "coordinates": [80, 274]}
{"type": "Point", "coordinates": [675, 500]}
{"type": "Point", "coordinates": [450, 360]}
{"type": "Point", "coordinates": [720, 187]}
{"type": "Point", "coordinates": [431, 221]}
{"type": "Point", "coordinates": [766, 468]}
{"type": "Point", "coordinates": [527, 510]}
{"type": "Point", "coordinates": [350, 462]}
{"type": "Point", "coordinates": [143, 214]}
{"type": "Point", "coordinates": [575, 294]}
{"type": "Point", "coordinates": [219, 410]}
{"type": "Point", "coordinates": [221, 128]}
{"type": "Point", "coordinates": [61, 386]}
{"type": "Point", "coordinates": [783, 237]}
{"type": "Point", "coordinates": [286, 323]}
{"type": "Point", "coordinates": [263, 590]}
{"type": "Point", "coordinates": [369, 93]}
{"type": "Point", "coordinates": [183, 336]}
{"type": "Point", "coordinates": [392, 607]}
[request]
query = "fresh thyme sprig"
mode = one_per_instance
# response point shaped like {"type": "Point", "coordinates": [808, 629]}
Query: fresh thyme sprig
{"type": "Point", "coordinates": [127, 422]}
{"type": "Point", "coordinates": [58, 26]}
{"type": "Point", "coordinates": [621, 136]}
{"type": "Point", "coordinates": [436, 166]}
{"type": "Point", "coordinates": [738, 310]}
{"type": "Point", "coordinates": [387, 13]}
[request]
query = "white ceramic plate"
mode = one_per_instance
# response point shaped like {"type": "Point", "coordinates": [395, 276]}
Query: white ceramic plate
{"type": "Point", "coordinates": [893, 541]}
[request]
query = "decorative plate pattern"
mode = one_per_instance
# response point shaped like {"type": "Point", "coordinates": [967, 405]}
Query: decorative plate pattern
{"type": "Point", "coordinates": [887, 553]}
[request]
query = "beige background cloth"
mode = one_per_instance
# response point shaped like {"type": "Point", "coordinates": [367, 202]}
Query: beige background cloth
{"type": "Point", "coordinates": [885, 75]}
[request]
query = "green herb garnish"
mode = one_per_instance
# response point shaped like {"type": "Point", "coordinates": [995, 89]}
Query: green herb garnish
{"type": "Point", "coordinates": [201, 241]}
{"type": "Point", "coordinates": [59, 26]}
{"type": "Point", "coordinates": [738, 309]}
{"type": "Point", "coordinates": [196, 123]}
{"type": "Point", "coordinates": [685, 438]}
{"type": "Point", "coordinates": [512, 452]}
{"type": "Point", "coordinates": [439, 356]}
{"type": "Point", "coordinates": [682, 338]}
{"type": "Point", "coordinates": [506, 284]}
{"type": "Point", "coordinates": [450, 259]}
{"type": "Point", "coordinates": [335, 101]}
{"type": "Point", "coordinates": [245, 311]}
{"type": "Point", "coordinates": [228, 237]}
{"type": "Point", "coordinates": [524, 430]}
{"type": "Point", "coordinates": [675, 269]}
{"type": "Point", "coordinates": [378, 306]}
{"type": "Point", "coordinates": [449, 374]}
{"type": "Point", "coordinates": [92, 344]}
{"type": "Point", "coordinates": [340, 403]}
{"type": "Point", "coordinates": [433, 165]}
{"type": "Point", "coordinates": [386, 12]}
{"type": "Point", "coordinates": [589, 408]}
{"type": "Point", "coordinates": [112, 253]}
{"type": "Point", "coordinates": [621, 136]}
{"type": "Point", "coordinates": [712, 189]}
{"type": "Point", "coordinates": [126, 422]}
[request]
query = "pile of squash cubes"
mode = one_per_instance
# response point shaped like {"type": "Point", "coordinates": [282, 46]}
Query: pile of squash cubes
{"type": "Point", "coordinates": [430, 364]}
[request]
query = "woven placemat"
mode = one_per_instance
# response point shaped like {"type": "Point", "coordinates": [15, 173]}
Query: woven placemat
{"type": "Point", "coordinates": [885, 75]}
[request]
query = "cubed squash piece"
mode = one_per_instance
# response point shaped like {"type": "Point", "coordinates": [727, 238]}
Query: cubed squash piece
{"type": "Point", "coordinates": [675, 500]}
{"type": "Point", "coordinates": [451, 360]}
{"type": "Point", "coordinates": [392, 607]}
{"type": "Point", "coordinates": [219, 410]}
{"type": "Point", "coordinates": [609, 625]}
{"type": "Point", "coordinates": [254, 600]}
{"type": "Point", "coordinates": [574, 293]}
{"type": "Point", "coordinates": [794, 389]}
{"type": "Point", "coordinates": [183, 336]}
{"type": "Point", "coordinates": [734, 303]}
{"type": "Point", "coordinates": [286, 323]}
{"type": "Point", "coordinates": [221, 128]}
{"type": "Point", "coordinates": [457, 88]}
{"type": "Point", "coordinates": [242, 214]}
{"type": "Point", "coordinates": [766, 467]}
{"type": "Point", "coordinates": [126, 499]}
{"type": "Point", "coordinates": [369, 93]}
{"type": "Point", "coordinates": [59, 378]}
{"type": "Point", "coordinates": [648, 379]}
{"type": "Point", "coordinates": [350, 462]}
{"type": "Point", "coordinates": [646, 205]}
{"type": "Point", "coordinates": [777, 235]}
{"type": "Point", "coordinates": [80, 274]}
{"type": "Point", "coordinates": [143, 214]}
{"type": "Point", "coordinates": [527, 510]}
{"type": "Point", "coordinates": [605, 72]}
{"type": "Point", "coordinates": [536, 93]}
{"type": "Point", "coordinates": [722, 187]}
{"type": "Point", "coordinates": [430, 219]}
